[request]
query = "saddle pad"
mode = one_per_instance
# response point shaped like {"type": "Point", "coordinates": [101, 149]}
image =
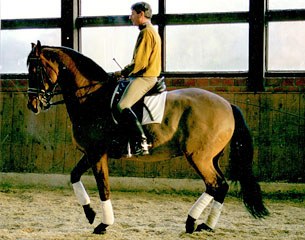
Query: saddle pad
{"type": "Point", "coordinates": [156, 105]}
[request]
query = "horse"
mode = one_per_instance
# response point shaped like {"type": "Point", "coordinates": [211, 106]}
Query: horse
{"type": "Point", "coordinates": [197, 124]}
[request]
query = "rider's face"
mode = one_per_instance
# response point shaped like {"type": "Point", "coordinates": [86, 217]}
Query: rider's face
{"type": "Point", "coordinates": [136, 18]}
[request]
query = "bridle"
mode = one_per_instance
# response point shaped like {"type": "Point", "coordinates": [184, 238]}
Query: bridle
{"type": "Point", "coordinates": [41, 78]}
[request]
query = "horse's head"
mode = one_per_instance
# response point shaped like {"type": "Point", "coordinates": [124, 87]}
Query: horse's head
{"type": "Point", "coordinates": [43, 76]}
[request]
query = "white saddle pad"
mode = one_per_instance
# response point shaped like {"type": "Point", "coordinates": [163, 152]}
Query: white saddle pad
{"type": "Point", "coordinates": [156, 105]}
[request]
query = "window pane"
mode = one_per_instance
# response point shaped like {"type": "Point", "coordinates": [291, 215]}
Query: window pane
{"type": "Point", "coordinates": [15, 46]}
{"type": "Point", "coordinates": [102, 44]}
{"type": "Point", "coordinates": [111, 7]}
{"type": "Point", "coordinates": [286, 4]}
{"type": "Point", "coordinates": [286, 46]}
{"type": "Point", "coordinates": [17, 9]}
{"type": "Point", "coordinates": [199, 6]}
{"type": "Point", "coordinates": [221, 47]}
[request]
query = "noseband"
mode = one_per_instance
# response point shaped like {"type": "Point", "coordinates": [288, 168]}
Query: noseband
{"type": "Point", "coordinates": [41, 78]}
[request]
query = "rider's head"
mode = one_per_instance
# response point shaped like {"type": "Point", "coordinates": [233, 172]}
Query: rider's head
{"type": "Point", "coordinates": [142, 7]}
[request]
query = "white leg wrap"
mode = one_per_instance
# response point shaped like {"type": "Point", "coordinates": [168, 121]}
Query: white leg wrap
{"type": "Point", "coordinates": [80, 193]}
{"type": "Point", "coordinates": [200, 205]}
{"type": "Point", "coordinates": [214, 214]}
{"type": "Point", "coordinates": [108, 217]}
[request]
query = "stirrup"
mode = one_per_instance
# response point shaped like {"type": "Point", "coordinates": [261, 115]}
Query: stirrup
{"type": "Point", "coordinates": [142, 148]}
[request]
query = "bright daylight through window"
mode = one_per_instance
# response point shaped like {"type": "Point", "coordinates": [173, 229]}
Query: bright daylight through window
{"type": "Point", "coordinates": [216, 47]}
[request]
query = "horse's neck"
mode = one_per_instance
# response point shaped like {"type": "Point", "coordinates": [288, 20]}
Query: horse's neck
{"type": "Point", "coordinates": [76, 80]}
{"type": "Point", "coordinates": [79, 89]}
{"type": "Point", "coordinates": [83, 99]}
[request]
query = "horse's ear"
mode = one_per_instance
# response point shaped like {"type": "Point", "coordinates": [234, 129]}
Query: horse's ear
{"type": "Point", "coordinates": [38, 48]}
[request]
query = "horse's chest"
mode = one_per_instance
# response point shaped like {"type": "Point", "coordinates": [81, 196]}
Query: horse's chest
{"type": "Point", "coordinates": [90, 131]}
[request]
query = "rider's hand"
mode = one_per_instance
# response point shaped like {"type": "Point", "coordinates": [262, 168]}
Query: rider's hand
{"type": "Point", "coordinates": [117, 74]}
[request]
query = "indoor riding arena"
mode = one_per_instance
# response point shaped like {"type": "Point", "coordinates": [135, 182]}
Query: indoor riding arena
{"type": "Point", "coordinates": [226, 160]}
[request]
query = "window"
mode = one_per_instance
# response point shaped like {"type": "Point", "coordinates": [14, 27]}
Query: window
{"type": "Point", "coordinates": [206, 6]}
{"type": "Point", "coordinates": [198, 36]}
{"type": "Point", "coordinates": [216, 47]}
{"type": "Point", "coordinates": [19, 9]}
{"type": "Point", "coordinates": [15, 43]}
{"type": "Point", "coordinates": [111, 7]}
{"type": "Point", "coordinates": [102, 44]}
{"type": "Point", "coordinates": [285, 36]}
{"type": "Point", "coordinates": [286, 46]}
{"type": "Point", "coordinates": [286, 4]}
{"type": "Point", "coordinates": [16, 46]}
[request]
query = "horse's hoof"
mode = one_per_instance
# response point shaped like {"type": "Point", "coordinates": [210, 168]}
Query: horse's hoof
{"type": "Point", "coordinates": [90, 213]}
{"type": "Point", "coordinates": [100, 229]}
{"type": "Point", "coordinates": [203, 227]}
{"type": "Point", "coordinates": [190, 225]}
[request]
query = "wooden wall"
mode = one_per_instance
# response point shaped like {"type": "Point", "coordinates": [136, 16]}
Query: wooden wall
{"type": "Point", "coordinates": [42, 143]}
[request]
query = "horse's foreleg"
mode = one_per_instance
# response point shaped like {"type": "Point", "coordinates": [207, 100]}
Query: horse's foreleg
{"type": "Point", "coordinates": [80, 192]}
{"type": "Point", "coordinates": [100, 170]}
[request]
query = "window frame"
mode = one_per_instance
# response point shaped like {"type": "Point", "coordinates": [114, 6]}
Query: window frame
{"type": "Point", "coordinates": [257, 17]}
{"type": "Point", "coordinates": [282, 16]}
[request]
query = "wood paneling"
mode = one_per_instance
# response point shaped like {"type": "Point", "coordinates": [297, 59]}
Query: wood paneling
{"type": "Point", "coordinates": [42, 143]}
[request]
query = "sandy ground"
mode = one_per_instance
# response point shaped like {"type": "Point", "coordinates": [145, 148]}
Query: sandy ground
{"type": "Point", "coordinates": [53, 213]}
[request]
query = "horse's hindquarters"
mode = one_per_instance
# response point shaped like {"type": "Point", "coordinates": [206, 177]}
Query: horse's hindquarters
{"type": "Point", "coordinates": [197, 120]}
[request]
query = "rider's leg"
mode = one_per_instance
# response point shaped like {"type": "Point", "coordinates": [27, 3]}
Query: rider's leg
{"type": "Point", "coordinates": [137, 88]}
{"type": "Point", "coordinates": [135, 91]}
{"type": "Point", "coordinates": [135, 132]}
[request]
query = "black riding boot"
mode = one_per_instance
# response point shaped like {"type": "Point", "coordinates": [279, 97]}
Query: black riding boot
{"type": "Point", "coordinates": [135, 131]}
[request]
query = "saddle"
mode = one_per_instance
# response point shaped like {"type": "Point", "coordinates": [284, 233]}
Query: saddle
{"type": "Point", "coordinates": [159, 87]}
{"type": "Point", "coordinates": [120, 143]}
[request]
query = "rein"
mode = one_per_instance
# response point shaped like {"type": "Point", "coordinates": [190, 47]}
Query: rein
{"type": "Point", "coordinates": [45, 96]}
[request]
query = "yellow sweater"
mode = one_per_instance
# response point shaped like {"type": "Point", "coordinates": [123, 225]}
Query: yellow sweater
{"type": "Point", "coordinates": [146, 59]}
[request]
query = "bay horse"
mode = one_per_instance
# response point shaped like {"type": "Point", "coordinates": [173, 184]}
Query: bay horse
{"type": "Point", "coordinates": [197, 124]}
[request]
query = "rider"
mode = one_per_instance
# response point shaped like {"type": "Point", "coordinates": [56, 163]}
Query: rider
{"type": "Point", "coordinates": [143, 71]}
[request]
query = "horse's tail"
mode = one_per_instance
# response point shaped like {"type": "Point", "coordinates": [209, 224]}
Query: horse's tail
{"type": "Point", "coordinates": [241, 157]}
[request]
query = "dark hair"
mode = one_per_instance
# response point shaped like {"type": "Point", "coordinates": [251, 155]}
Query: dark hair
{"type": "Point", "coordinates": [142, 7]}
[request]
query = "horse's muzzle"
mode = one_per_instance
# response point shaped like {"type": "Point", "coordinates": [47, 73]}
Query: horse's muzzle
{"type": "Point", "coordinates": [34, 105]}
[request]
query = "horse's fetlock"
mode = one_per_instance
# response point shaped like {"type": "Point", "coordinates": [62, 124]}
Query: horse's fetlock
{"type": "Point", "coordinates": [190, 224]}
{"type": "Point", "coordinates": [100, 229]}
{"type": "Point", "coordinates": [89, 212]}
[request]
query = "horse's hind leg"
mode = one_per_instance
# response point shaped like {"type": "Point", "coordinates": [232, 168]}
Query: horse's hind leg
{"type": "Point", "coordinates": [219, 193]}
{"type": "Point", "coordinates": [216, 190]}
{"type": "Point", "coordinates": [80, 192]}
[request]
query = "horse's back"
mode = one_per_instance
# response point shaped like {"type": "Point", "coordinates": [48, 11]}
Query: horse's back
{"type": "Point", "coordinates": [198, 96]}
{"type": "Point", "coordinates": [202, 105]}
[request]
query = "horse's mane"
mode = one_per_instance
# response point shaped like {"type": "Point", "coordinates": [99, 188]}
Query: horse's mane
{"type": "Point", "coordinates": [89, 68]}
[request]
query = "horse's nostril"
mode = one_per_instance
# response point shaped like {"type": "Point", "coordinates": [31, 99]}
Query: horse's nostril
{"type": "Point", "coordinates": [32, 108]}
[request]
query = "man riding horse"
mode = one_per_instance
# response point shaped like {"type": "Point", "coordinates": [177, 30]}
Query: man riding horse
{"type": "Point", "coordinates": [143, 71]}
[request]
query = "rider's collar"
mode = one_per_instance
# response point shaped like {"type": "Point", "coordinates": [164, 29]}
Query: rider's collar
{"type": "Point", "coordinates": [142, 26]}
